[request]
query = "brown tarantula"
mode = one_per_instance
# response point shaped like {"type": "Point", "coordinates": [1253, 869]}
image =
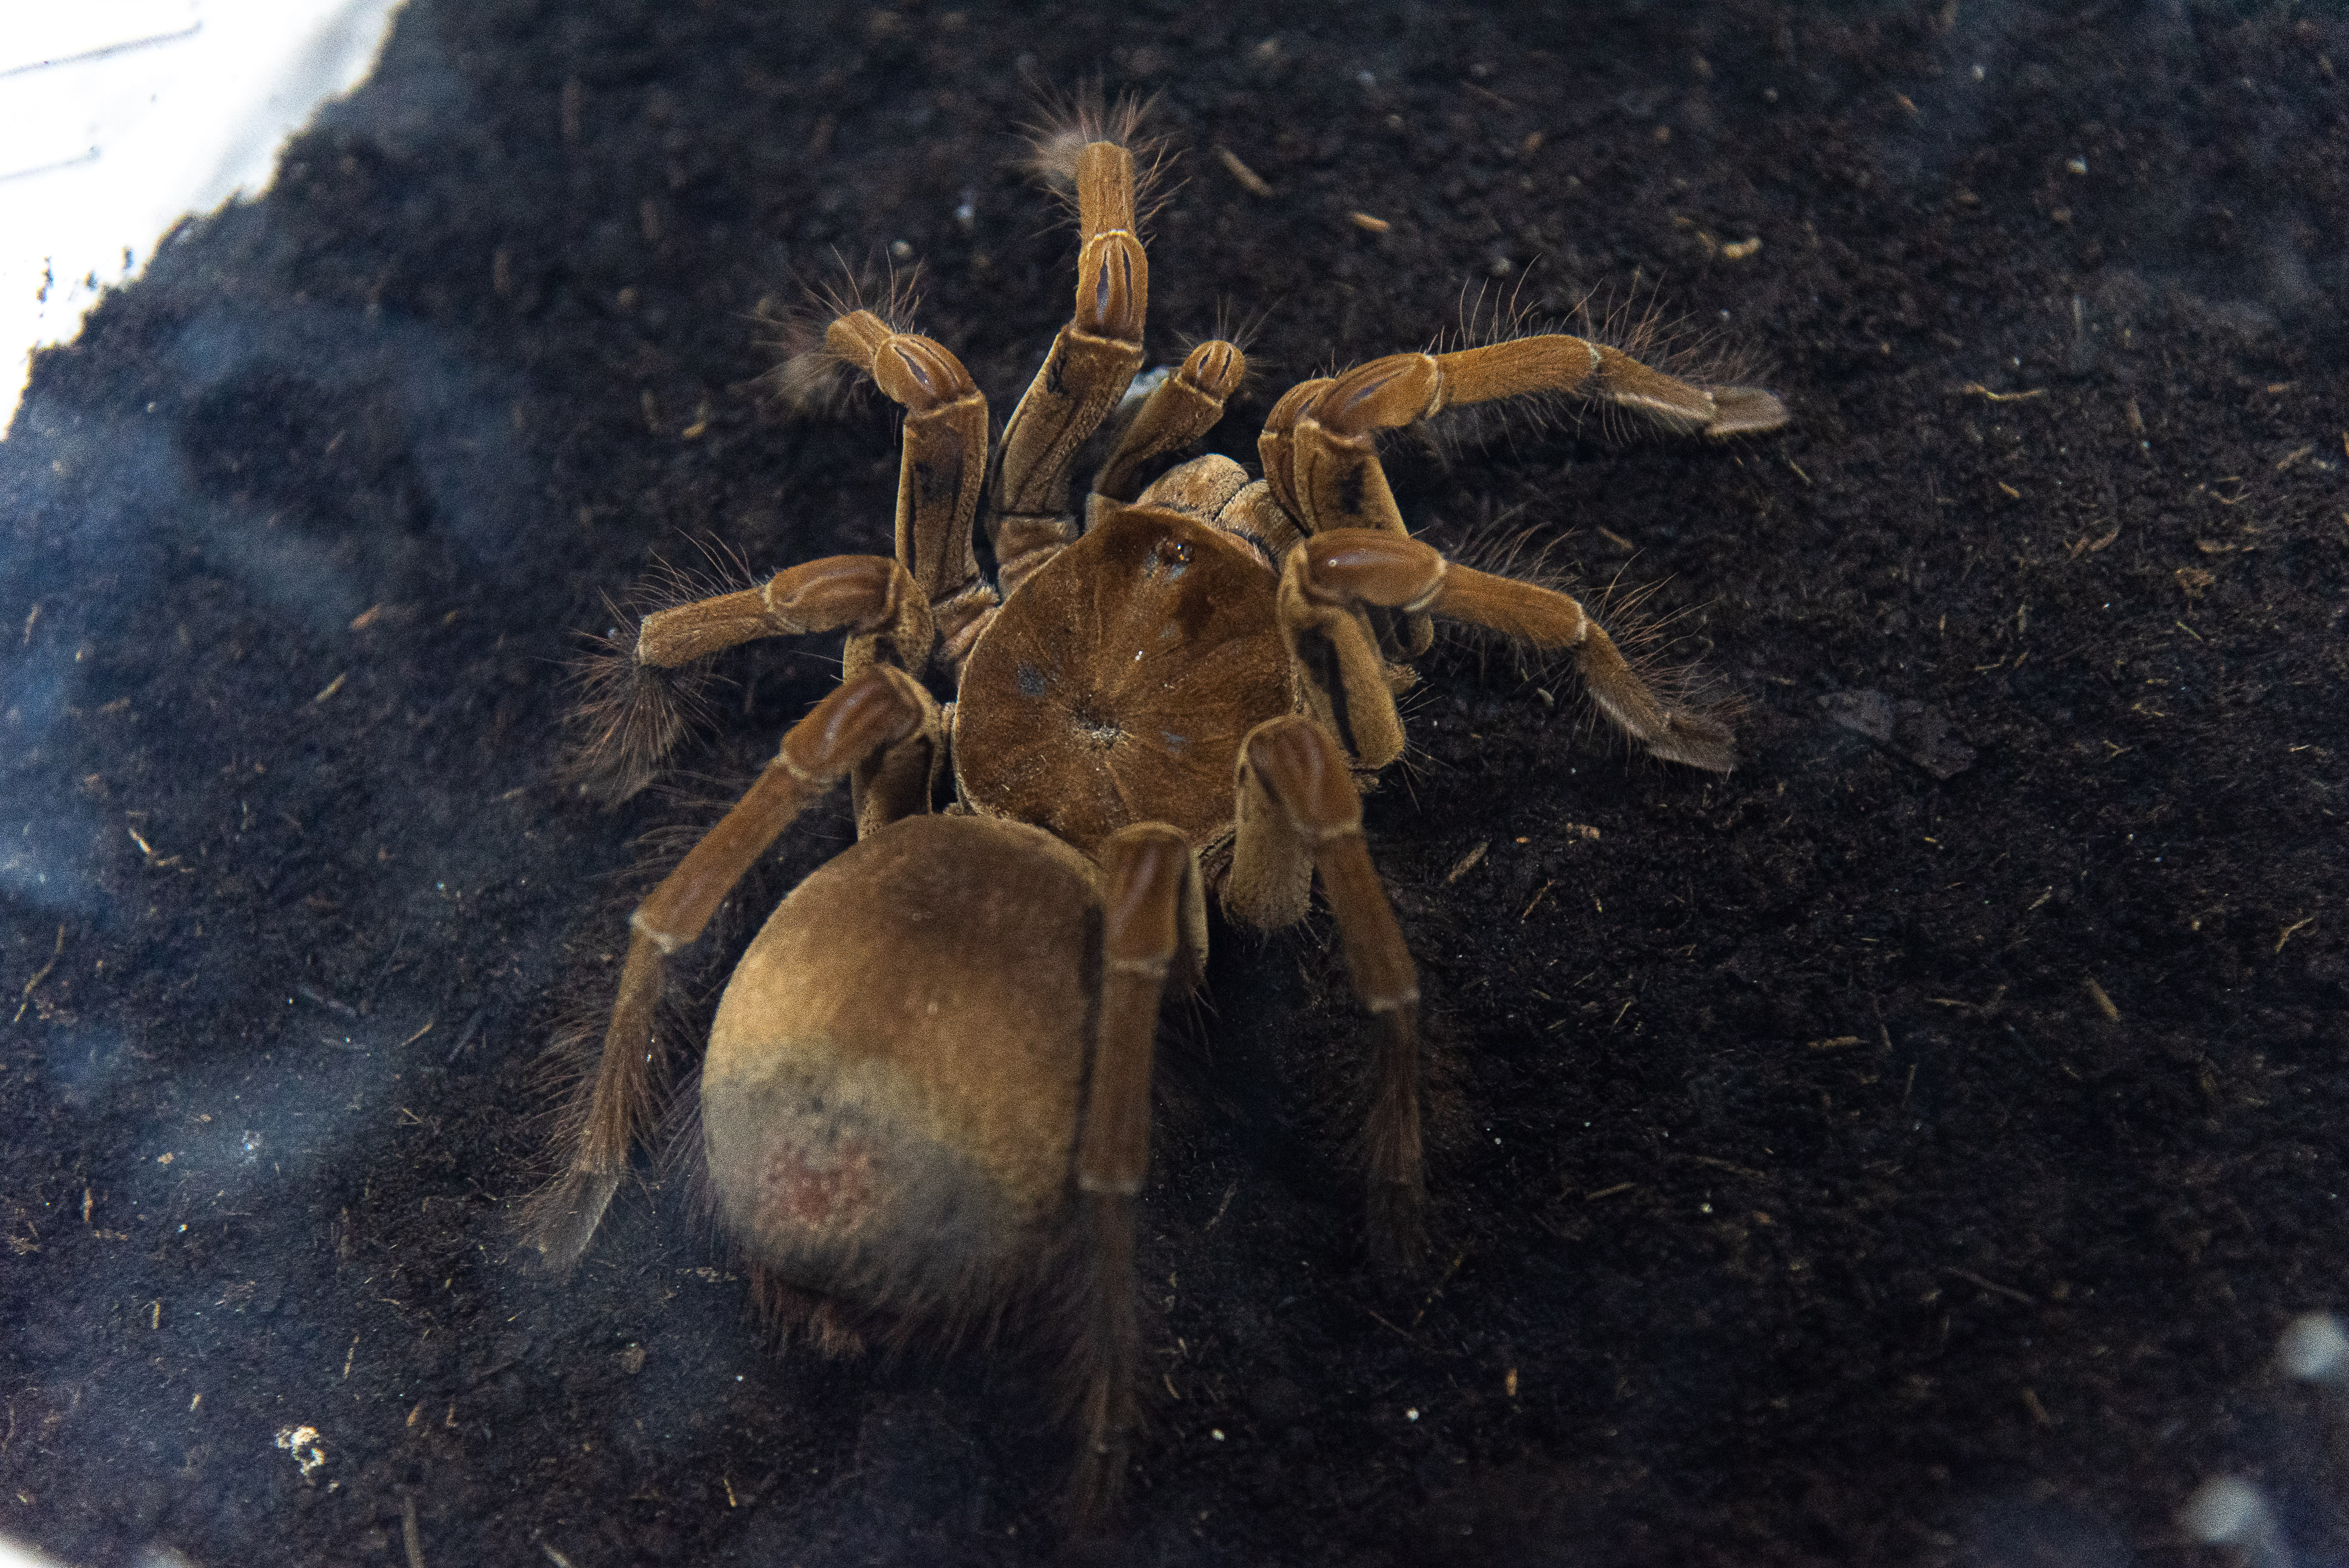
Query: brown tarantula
{"type": "Point", "coordinates": [925, 1102]}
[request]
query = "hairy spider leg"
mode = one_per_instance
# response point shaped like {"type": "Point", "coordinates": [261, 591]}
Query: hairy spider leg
{"type": "Point", "coordinates": [1327, 582]}
{"type": "Point", "coordinates": [1154, 928]}
{"type": "Point", "coordinates": [1300, 812]}
{"type": "Point", "coordinates": [874, 599]}
{"type": "Point", "coordinates": [1319, 444]}
{"type": "Point", "coordinates": [867, 715]}
{"type": "Point", "coordinates": [943, 471]}
{"type": "Point", "coordinates": [1178, 411]}
{"type": "Point", "coordinates": [1092, 361]}
{"type": "Point", "coordinates": [637, 713]}
{"type": "Point", "coordinates": [1291, 446]}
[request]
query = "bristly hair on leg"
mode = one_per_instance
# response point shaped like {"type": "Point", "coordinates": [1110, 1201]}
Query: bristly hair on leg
{"type": "Point", "coordinates": [1633, 323]}
{"type": "Point", "coordinates": [629, 715]}
{"type": "Point", "coordinates": [1650, 644]}
{"type": "Point", "coordinates": [809, 377]}
{"type": "Point", "coordinates": [562, 1217]}
{"type": "Point", "coordinates": [1487, 314]}
{"type": "Point", "coordinates": [1240, 334]}
{"type": "Point", "coordinates": [1067, 122]}
{"type": "Point", "coordinates": [1496, 544]}
{"type": "Point", "coordinates": [1703, 355]}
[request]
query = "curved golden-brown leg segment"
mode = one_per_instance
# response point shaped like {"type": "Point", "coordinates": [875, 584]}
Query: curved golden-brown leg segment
{"type": "Point", "coordinates": [1092, 363]}
{"type": "Point", "coordinates": [1319, 444]}
{"type": "Point", "coordinates": [870, 597]}
{"type": "Point", "coordinates": [639, 717]}
{"type": "Point", "coordinates": [870, 713]}
{"type": "Point", "coordinates": [1337, 484]}
{"type": "Point", "coordinates": [1333, 573]}
{"type": "Point", "coordinates": [1183, 408]}
{"type": "Point", "coordinates": [944, 468]}
{"type": "Point", "coordinates": [1324, 429]}
{"type": "Point", "coordinates": [1298, 807]}
{"type": "Point", "coordinates": [1153, 928]}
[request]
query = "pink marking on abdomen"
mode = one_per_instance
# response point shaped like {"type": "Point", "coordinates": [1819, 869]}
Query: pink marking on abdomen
{"type": "Point", "coordinates": [831, 1192]}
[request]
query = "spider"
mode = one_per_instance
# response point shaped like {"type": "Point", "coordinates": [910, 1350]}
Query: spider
{"type": "Point", "coordinates": [924, 1104]}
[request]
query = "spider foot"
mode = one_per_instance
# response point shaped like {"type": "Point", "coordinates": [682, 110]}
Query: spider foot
{"type": "Point", "coordinates": [631, 715]}
{"type": "Point", "coordinates": [1694, 739]}
{"type": "Point", "coordinates": [563, 1221]}
{"type": "Point", "coordinates": [1744, 411]}
{"type": "Point", "coordinates": [1098, 1485]}
{"type": "Point", "coordinates": [1398, 1228]}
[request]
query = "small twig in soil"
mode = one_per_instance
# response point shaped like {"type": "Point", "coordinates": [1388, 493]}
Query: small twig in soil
{"type": "Point", "coordinates": [1974, 1279]}
{"type": "Point", "coordinates": [1255, 182]}
{"type": "Point", "coordinates": [2104, 1002]}
{"type": "Point", "coordinates": [472, 1027]}
{"type": "Point", "coordinates": [1437, 1288]}
{"type": "Point", "coordinates": [34, 984]}
{"type": "Point", "coordinates": [411, 1534]}
{"type": "Point", "coordinates": [331, 1004]}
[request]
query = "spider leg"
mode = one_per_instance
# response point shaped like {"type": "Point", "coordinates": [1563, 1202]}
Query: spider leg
{"type": "Point", "coordinates": [943, 471]}
{"type": "Point", "coordinates": [1353, 493]}
{"type": "Point", "coordinates": [1092, 363]}
{"type": "Point", "coordinates": [1183, 408]}
{"type": "Point", "coordinates": [874, 599]}
{"type": "Point", "coordinates": [1300, 811]}
{"type": "Point", "coordinates": [1318, 441]}
{"type": "Point", "coordinates": [1334, 574]}
{"type": "Point", "coordinates": [1154, 923]}
{"type": "Point", "coordinates": [1318, 445]}
{"type": "Point", "coordinates": [865, 716]}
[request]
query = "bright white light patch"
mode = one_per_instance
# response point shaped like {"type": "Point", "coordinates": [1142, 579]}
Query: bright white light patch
{"type": "Point", "coordinates": [119, 116]}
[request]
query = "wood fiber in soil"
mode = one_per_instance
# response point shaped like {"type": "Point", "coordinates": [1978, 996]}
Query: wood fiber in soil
{"type": "Point", "coordinates": [1788, 1156]}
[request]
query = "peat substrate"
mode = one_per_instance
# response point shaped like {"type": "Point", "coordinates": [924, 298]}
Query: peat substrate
{"type": "Point", "coordinates": [1905, 1149]}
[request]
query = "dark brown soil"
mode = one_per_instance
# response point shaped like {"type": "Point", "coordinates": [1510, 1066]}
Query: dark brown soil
{"type": "Point", "coordinates": [1904, 1150]}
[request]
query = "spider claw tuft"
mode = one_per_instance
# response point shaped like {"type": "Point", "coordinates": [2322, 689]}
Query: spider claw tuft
{"type": "Point", "coordinates": [1067, 123]}
{"type": "Point", "coordinates": [630, 716]}
{"type": "Point", "coordinates": [1696, 740]}
{"type": "Point", "coordinates": [562, 1220]}
{"type": "Point", "coordinates": [810, 377]}
{"type": "Point", "coordinates": [1398, 1228]}
{"type": "Point", "coordinates": [1744, 411]}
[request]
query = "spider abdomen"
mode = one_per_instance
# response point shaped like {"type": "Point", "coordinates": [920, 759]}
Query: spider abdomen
{"type": "Point", "coordinates": [889, 1104]}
